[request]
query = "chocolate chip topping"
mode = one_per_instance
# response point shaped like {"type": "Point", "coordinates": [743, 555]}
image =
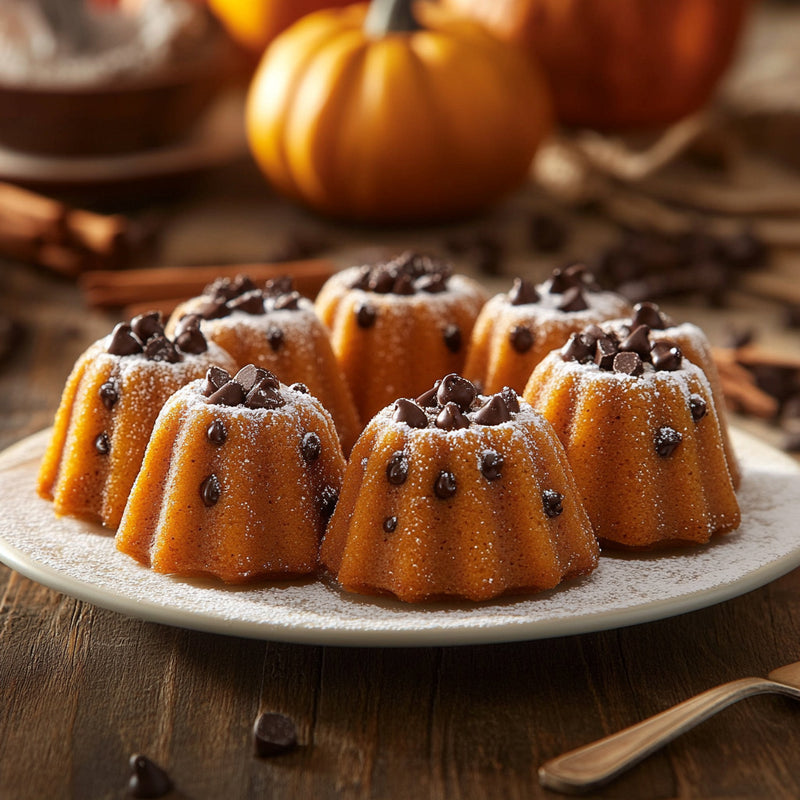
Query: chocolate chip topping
{"type": "Point", "coordinates": [287, 302]}
{"type": "Point", "coordinates": [159, 348]}
{"type": "Point", "coordinates": [451, 418]}
{"type": "Point", "coordinates": [552, 502]}
{"type": "Point", "coordinates": [458, 390]}
{"type": "Point", "coordinates": [147, 779]}
{"type": "Point", "coordinates": [248, 376]}
{"type": "Point", "coordinates": [406, 274]}
{"type": "Point", "coordinates": [628, 364]}
{"type": "Point", "coordinates": [109, 394]}
{"type": "Point", "coordinates": [637, 342]}
{"type": "Point", "coordinates": [493, 412]}
{"type": "Point", "coordinates": [452, 338]}
{"type": "Point", "coordinates": [605, 350]}
{"type": "Point", "coordinates": [428, 398]}
{"type": "Point", "coordinates": [366, 315]}
{"type": "Point", "coordinates": [264, 395]}
{"type": "Point", "coordinates": [327, 501]}
{"type": "Point", "coordinates": [299, 387]}
{"type": "Point", "coordinates": [491, 465]}
{"type": "Point", "coordinates": [188, 336]}
{"type": "Point", "coordinates": [651, 315]}
{"type": "Point", "coordinates": [310, 446]}
{"type": "Point", "coordinates": [250, 302]}
{"type": "Point", "coordinates": [666, 440]}
{"type": "Point", "coordinates": [397, 468]}
{"type": "Point", "coordinates": [216, 377]}
{"type": "Point", "coordinates": [252, 387]}
{"type": "Point", "coordinates": [666, 356]}
{"type": "Point", "coordinates": [216, 433]}
{"type": "Point", "coordinates": [123, 341]}
{"type": "Point", "coordinates": [275, 338]}
{"type": "Point", "coordinates": [229, 394]}
{"type": "Point", "coordinates": [273, 735]}
{"type": "Point", "coordinates": [210, 490]}
{"type": "Point", "coordinates": [409, 412]}
{"type": "Point", "coordinates": [511, 399]}
{"type": "Point", "coordinates": [227, 288]}
{"type": "Point", "coordinates": [146, 325]}
{"type": "Point", "coordinates": [573, 300]}
{"type": "Point", "coordinates": [444, 486]}
{"type": "Point", "coordinates": [102, 444]}
{"type": "Point", "coordinates": [522, 292]}
{"type": "Point", "coordinates": [561, 281]}
{"type": "Point", "coordinates": [521, 338]}
{"type": "Point", "coordinates": [698, 407]}
{"type": "Point", "coordinates": [226, 295]}
{"type": "Point", "coordinates": [145, 335]}
{"type": "Point", "coordinates": [390, 524]}
{"type": "Point", "coordinates": [580, 347]}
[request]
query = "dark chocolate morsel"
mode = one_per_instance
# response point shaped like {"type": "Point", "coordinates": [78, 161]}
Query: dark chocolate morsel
{"type": "Point", "coordinates": [649, 314]}
{"type": "Point", "coordinates": [452, 338]}
{"type": "Point", "coordinates": [551, 501]}
{"type": "Point", "coordinates": [147, 325]}
{"type": "Point", "coordinates": [522, 292]}
{"type": "Point", "coordinates": [210, 490]}
{"type": "Point", "coordinates": [491, 465]}
{"type": "Point", "coordinates": [397, 468]}
{"type": "Point", "coordinates": [390, 524]}
{"type": "Point", "coordinates": [561, 281]}
{"type": "Point", "coordinates": [229, 394]}
{"type": "Point", "coordinates": [698, 407]}
{"type": "Point", "coordinates": [299, 387]}
{"type": "Point", "coordinates": [409, 412]}
{"type": "Point", "coordinates": [327, 501]}
{"type": "Point", "coordinates": [159, 348]}
{"type": "Point", "coordinates": [666, 440]}
{"type": "Point", "coordinates": [310, 446]}
{"type": "Point", "coordinates": [382, 280]}
{"type": "Point", "coordinates": [251, 302]}
{"type": "Point", "coordinates": [493, 412]}
{"type": "Point", "coordinates": [573, 300]}
{"type": "Point", "coordinates": [273, 735]}
{"type": "Point", "coordinates": [275, 287]}
{"type": "Point", "coordinates": [109, 394]}
{"type": "Point", "coordinates": [628, 363]}
{"type": "Point", "coordinates": [361, 281]}
{"type": "Point", "coordinates": [404, 284]}
{"type": "Point", "coordinates": [455, 389]}
{"type": "Point", "coordinates": [191, 340]}
{"type": "Point", "coordinates": [580, 347]}
{"type": "Point", "coordinates": [511, 399]}
{"type": "Point", "coordinates": [521, 338]}
{"type": "Point", "coordinates": [637, 342]}
{"type": "Point", "coordinates": [451, 418]}
{"type": "Point", "coordinates": [123, 342]}
{"type": "Point", "coordinates": [444, 486]}
{"type": "Point", "coordinates": [216, 433]}
{"type": "Point", "coordinates": [666, 356]}
{"type": "Point", "coordinates": [147, 779]}
{"type": "Point", "coordinates": [248, 376]}
{"type": "Point", "coordinates": [275, 338]}
{"type": "Point", "coordinates": [605, 350]}
{"type": "Point", "coordinates": [366, 315]}
{"type": "Point", "coordinates": [216, 378]}
{"type": "Point", "coordinates": [428, 398]}
{"type": "Point", "coordinates": [102, 444]}
{"type": "Point", "coordinates": [432, 284]}
{"type": "Point", "coordinates": [214, 309]}
{"type": "Point", "coordinates": [264, 395]}
{"type": "Point", "coordinates": [287, 302]}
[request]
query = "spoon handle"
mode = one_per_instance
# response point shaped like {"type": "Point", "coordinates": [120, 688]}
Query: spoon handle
{"type": "Point", "coordinates": [597, 763]}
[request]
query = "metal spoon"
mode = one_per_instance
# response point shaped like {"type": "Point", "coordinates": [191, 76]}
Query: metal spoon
{"type": "Point", "coordinates": [597, 763]}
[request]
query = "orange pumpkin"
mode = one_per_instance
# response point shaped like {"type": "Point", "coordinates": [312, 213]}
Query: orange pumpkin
{"type": "Point", "coordinates": [621, 63]}
{"type": "Point", "coordinates": [398, 121]}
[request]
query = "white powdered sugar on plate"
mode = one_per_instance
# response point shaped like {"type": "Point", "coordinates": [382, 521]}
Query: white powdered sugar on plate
{"type": "Point", "coordinates": [80, 559]}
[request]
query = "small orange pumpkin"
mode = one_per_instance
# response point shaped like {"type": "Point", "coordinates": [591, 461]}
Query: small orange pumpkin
{"type": "Point", "coordinates": [375, 117]}
{"type": "Point", "coordinates": [621, 63]}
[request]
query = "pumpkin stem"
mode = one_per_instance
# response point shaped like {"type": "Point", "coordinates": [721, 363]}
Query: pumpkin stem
{"type": "Point", "coordinates": [390, 16]}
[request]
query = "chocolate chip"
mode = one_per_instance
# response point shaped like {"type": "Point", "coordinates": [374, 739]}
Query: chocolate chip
{"type": "Point", "coordinates": [287, 302]}
{"type": "Point", "coordinates": [452, 338]}
{"type": "Point", "coordinates": [444, 486]}
{"type": "Point", "coordinates": [698, 407]}
{"type": "Point", "coordinates": [147, 325]}
{"type": "Point", "coordinates": [521, 338]}
{"type": "Point", "coordinates": [637, 342]}
{"type": "Point", "coordinates": [147, 779]}
{"type": "Point", "coordinates": [248, 376]}
{"type": "Point", "coordinates": [159, 348]}
{"type": "Point", "coordinates": [560, 282]}
{"type": "Point", "coordinates": [216, 433]}
{"type": "Point", "coordinates": [109, 394]}
{"type": "Point", "coordinates": [397, 468]}
{"type": "Point", "coordinates": [651, 315]}
{"type": "Point", "coordinates": [432, 284]}
{"type": "Point", "coordinates": [275, 287]}
{"type": "Point", "coordinates": [382, 280]}
{"type": "Point", "coordinates": [188, 336]}
{"type": "Point", "coordinates": [216, 378]}
{"type": "Point", "coordinates": [275, 338]}
{"type": "Point", "coordinates": [214, 309]}
{"type": "Point", "coordinates": [573, 300]}
{"type": "Point", "coordinates": [102, 444]}
{"type": "Point", "coordinates": [264, 395]}
{"type": "Point", "coordinates": [390, 524]}
{"type": "Point", "coordinates": [511, 399]}
{"type": "Point", "coordinates": [273, 735]}
{"type": "Point", "coordinates": [522, 292]}
{"type": "Point", "coordinates": [491, 465]}
{"type": "Point", "coordinates": [327, 501]}
{"type": "Point", "coordinates": [579, 273]}
{"type": "Point", "coordinates": [251, 302]}
{"type": "Point", "coordinates": [666, 440]}
{"type": "Point", "coordinates": [605, 350]}
{"type": "Point", "coordinates": [310, 446]}
{"type": "Point", "coordinates": [547, 234]}
{"type": "Point", "coordinates": [210, 490]}
{"type": "Point", "coordinates": [580, 347]}
{"type": "Point", "coordinates": [228, 288]}
{"type": "Point", "coordinates": [628, 364]}
{"type": "Point", "coordinates": [299, 387]}
{"type": "Point", "coordinates": [230, 394]}
{"type": "Point", "coordinates": [552, 502]}
{"type": "Point", "coordinates": [403, 285]}
{"type": "Point", "coordinates": [493, 412]}
{"type": "Point", "coordinates": [123, 342]}
{"type": "Point", "coordinates": [455, 389]}
{"type": "Point", "coordinates": [409, 412]}
{"type": "Point", "coordinates": [451, 418]}
{"type": "Point", "coordinates": [361, 281]}
{"type": "Point", "coordinates": [666, 356]}
{"type": "Point", "coordinates": [428, 399]}
{"type": "Point", "coordinates": [366, 315]}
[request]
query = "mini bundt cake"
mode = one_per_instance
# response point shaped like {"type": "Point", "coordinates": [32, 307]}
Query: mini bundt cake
{"type": "Point", "coordinates": [277, 329]}
{"type": "Point", "coordinates": [107, 411]}
{"type": "Point", "coordinates": [238, 482]}
{"type": "Point", "coordinates": [695, 346]}
{"type": "Point", "coordinates": [516, 330]}
{"type": "Point", "coordinates": [398, 325]}
{"type": "Point", "coordinates": [458, 495]}
{"type": "Point", "coordinates": [640, 429]}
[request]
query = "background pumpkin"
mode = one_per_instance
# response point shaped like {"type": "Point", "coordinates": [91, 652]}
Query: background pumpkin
{"type": "Point", "coordinates": [411, 125]}
{"type": "Point", "coordinates": [621, 63]}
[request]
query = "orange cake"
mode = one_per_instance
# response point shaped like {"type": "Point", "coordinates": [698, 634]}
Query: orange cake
{"type": "Point", "coordinates": [397, 326]}
{"type": "Point", "coordinates": [238, 482]}
{"type": "Point", "coordinates": [107, 411]}
{"type": "Point", "coordinates": [277, 329]}
{"type": "Point", "coordinates": [640, 428]}
{"type": "Point", "coordinates": [458, 495]}
{"type": "Point", "coordinates": [695, 346]}
{"type": "Point", "coordinates": [516, 330]}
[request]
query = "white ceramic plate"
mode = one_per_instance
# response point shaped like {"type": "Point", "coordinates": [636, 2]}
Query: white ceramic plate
{"type": "Point", "coordinates": [80, 560]}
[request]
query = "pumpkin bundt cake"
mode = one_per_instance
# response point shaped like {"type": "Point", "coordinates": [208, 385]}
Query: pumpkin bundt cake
{"type": "Point", "coordinates": [108, 408]}
{"type": "Point", "coordinates": [695, 346]}
{"type": "Point", "coordinates": [238, 482]}
{"type": "Point", "coordinates": [640, 428]}
{"type": "Point", "coordinates": [517, 329]}
{"type": "Point", "coordinates": [458, 495]}
{"type": "Point", "coordinates": [397, 326]}
{"type": "Point", "coordinates": [276, 329]}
